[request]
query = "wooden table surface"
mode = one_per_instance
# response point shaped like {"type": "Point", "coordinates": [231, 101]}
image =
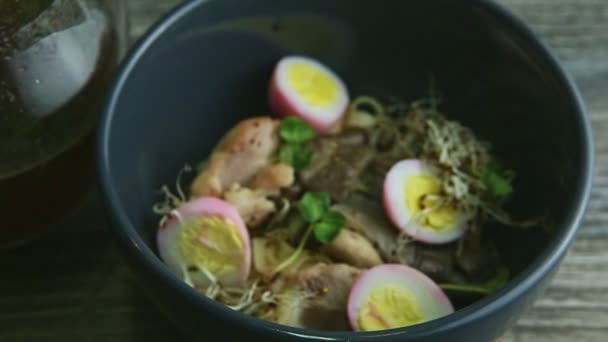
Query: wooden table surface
{"type": "Point", "coordinates": [73, 285]}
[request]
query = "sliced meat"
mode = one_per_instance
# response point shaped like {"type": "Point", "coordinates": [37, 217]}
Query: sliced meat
{"type": "Point", "coordinates": [369, 219]}
{"type": "Point", "coordinates": [248, 148]}
{"type": "Point", "coordinates": [337, 163]}
{"type": "Point", "coordinates": [477, 257]}
{"type": "Point", "coordinates": [352, 248]}
{"type": "Point", "coordinates": [329, 286]}
{"type": "Point", "coordinates": [437, 262]}
{"type": "Point", "coordinates": [253, 206]}
{"type": "Point", "coordinates": [273, 178]}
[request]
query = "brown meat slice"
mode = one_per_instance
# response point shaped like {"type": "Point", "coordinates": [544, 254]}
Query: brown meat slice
{"type": "Point", "coordinates": [352, 248]}
{"type": "Point", "coordinates": [437, 262]}
{"type": "Point", "coordinates": [329, 285]}
{"type": "Point", "coordinates": [477, 256]}
{"type": "Point", "coordinates": [240, 155]}
{"type": "Point", "coordinates": [337, 163]}
{"type": "Point", "coordinates": [368, 218]}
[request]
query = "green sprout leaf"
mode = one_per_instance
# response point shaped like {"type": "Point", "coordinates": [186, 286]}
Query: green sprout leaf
{"type": "Point", "coordinates": [296, 130]}
{"type": "Point", "coordinates": [323, 223]}
{"type": "Point", "coordinates": [497, 181]}
{"type": "Point", "coordinates": [296, 155]}
{"type": "Point", "coordinates": [313, 206]}
{"type": "Point", "coordinates": [497, 282]}
{"type": "Point", "coordinates": [329, 227]}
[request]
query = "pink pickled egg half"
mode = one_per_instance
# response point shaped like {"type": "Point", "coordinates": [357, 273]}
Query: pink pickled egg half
{"type": "Point", "coordinates": [393, 296]}
{"type": "Point", "coordinates": [410, 200]}
{"type": "Point", "coordinates": [206, 240]}
{"type": "Point", "coordinates": [304, 87]}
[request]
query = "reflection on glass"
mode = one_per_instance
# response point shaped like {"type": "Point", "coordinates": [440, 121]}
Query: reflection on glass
{"type": "Point", "coordinates": [56, 60]}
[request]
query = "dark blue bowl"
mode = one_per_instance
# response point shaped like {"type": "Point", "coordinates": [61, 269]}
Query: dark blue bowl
{"type": "Point", "coordinates": [207, 65]}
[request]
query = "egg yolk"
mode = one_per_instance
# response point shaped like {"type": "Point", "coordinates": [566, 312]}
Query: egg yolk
{"type": "Point", "coordinates": [416, 190]}
{"type": "Point", "coordinates": [313, 85]}
{"type": "Point", "coordinates": [389, 307]}
{"type": "Point", "coordinates": [213, 243]}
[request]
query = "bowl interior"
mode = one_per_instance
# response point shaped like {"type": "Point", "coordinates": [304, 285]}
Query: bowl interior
{"type": "Point", "coordinates": [211, 68]}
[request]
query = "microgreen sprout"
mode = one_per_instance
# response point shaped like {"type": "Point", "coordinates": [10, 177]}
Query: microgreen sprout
{"type": "Point", "coordinates": [330, 225]}
{"type": "Point", "coordinates": [313, 205]}
{"type": "Point", "coordinates": [255, 299]}
{"type": "Point", "coordinates": [171, 201]}
{"type": "Point", "coordinates": [365, 102]}
{"type": "Point", "coordinates": [295, 133]}
{"type": "Point", "coordinates": [497, 181]}
{"type": "Point", "coordinates": [494, 284]}
{"type": "Point", "coordinates": [324, 223]}
{"type": "Point", "coordinates": [296, 155]}
{"type": "Point", "coordinates": [296, 130]}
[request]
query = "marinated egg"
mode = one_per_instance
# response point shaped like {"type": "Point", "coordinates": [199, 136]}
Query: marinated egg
{"type": "Point", "coordinates": [303, 87]}
{"type": "Point", "coordinates": [412, 200]}
{"type": "Point", "coordinates": [392, 296]}
{"type": "Point", "coordinates": [206, 241]}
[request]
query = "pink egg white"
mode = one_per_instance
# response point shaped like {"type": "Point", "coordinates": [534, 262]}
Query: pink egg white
{"type": "Point", "coordinates": [168, 240]}
{"type": "Point", "coordinates": [291, 95]}
{"type": "Point", "coordinates": [431, 300]}
{"type": "Point", "coordinates": [401, 179]}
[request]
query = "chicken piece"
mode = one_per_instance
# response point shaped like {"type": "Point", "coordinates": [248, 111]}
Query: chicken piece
{"type": "Point", "coordinates": [273, 178]}
{"type": "Point", "coordinates": [354, 249]}
{"type": "Point", "coordinates": [329, 286]}
{"type": "Point", "coordinates": [253, 206]}
{"type": "Point", "coordinates": [252, 203]}
{"type": "Point", "coordinates": [240, 155]}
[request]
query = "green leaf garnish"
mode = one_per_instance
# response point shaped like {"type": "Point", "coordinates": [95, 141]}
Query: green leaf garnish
{"type": "Point", "coordinates": [497, 181]}
{"type": "Point", "coordinates": [296, 130]}
{"type": "Point", "coordinates": [497, 282]}
{"type": "Point", "coordinates": [313, 206]}
{"type": "Point", "coordinates": [323, 223]}
{"type": "Point", "coordinates": [334, 218]}
{"type": "Point", "coordinates": [296, 155]}
{"type": "Point", "coordinates": [329, 227]}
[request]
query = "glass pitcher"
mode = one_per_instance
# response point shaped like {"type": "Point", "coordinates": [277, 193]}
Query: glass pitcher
{"type": "Point", "coordinates": [57, 59]}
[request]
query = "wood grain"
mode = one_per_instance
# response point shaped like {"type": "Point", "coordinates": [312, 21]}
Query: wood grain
{"type": "Point", "coordinates": [59, 286]}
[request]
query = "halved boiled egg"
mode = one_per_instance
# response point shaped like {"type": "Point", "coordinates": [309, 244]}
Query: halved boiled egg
{"type": "Point", "coordinates": [392, 296]}
{"type": "Point", "coordinates": [304, 87]}
{"type": "Point", "coordinates": [205, 240]}
{"type": "Point", "coordinates": [410, 200]}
